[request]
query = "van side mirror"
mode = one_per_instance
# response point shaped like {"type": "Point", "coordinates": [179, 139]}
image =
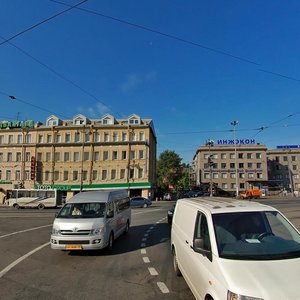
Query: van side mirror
{"type": "Point", "coordinates": [198, 246]}
{"type": "Point", "coordinates": [109, 214]}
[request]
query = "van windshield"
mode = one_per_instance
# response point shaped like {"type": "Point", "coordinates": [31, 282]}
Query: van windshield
{"type": "Point", "coordinates": [260, 235]}
{"type": "Point", "coordinates": [82, 210]}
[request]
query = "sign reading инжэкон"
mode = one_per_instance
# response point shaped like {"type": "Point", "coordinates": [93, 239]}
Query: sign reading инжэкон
{"type": "Point", "coordinates": [237, 142]}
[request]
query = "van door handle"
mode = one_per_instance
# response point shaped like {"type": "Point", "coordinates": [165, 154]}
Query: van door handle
{"type": "Point", "coordinates": [186, 242]}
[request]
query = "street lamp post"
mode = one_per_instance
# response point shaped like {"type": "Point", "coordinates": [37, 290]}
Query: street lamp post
{"type": "Point", "coordinates": [234, 124]}
{"type": "Point", "coordinates": [210, 143]}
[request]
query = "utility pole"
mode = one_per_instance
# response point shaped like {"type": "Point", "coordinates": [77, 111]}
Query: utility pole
{"type": "Point", "coordinates": [234, 124]}
{"type": "Point", "coordinates": [210, 143]}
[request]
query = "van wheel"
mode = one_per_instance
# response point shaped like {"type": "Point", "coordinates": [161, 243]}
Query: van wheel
{"type": "Point", "coordinates": [110, 241]}
{"type": "Point", "coordinates": [145, 205]}
{"type": "Point", "coordinates": [126, 228]}
{"type": "Point", "coordinates": [175, 264]}
{"type": "Point", "coordinates": [41, 206]}
{"type": "Point", "coordinates": [16, 206]}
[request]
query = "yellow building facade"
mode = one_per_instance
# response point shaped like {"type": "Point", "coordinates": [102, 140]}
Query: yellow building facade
{"type": "Point", "coordinates": [79, 154]}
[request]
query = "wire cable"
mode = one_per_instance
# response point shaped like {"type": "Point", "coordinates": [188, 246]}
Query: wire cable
{"type": "Point", "coordinates": [42, 22]}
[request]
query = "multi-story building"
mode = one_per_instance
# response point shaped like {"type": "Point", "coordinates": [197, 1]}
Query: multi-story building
{"type": "Point", "coordinates": [79, 154]}
{"type": "Point", "coordinates": [284, 168]}
{"type": "Point", "coordinates": [231, 167]}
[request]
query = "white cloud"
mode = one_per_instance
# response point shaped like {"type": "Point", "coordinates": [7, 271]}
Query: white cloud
{"type": "Point", "coordinates": [134, 80]}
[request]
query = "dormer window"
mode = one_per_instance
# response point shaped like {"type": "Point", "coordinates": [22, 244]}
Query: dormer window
{"type": "Point", "coordinates": [52, 121]}
{"type": "Point", "coordinates": [108, 120]}
{"type": "Point", "coordinates": [134, 120]}
{"type": "Point", "coordinates": [79, 122]}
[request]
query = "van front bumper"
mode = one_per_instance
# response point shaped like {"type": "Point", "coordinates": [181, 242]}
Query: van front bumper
{"type": "Point", "coordinates": [77, 243]}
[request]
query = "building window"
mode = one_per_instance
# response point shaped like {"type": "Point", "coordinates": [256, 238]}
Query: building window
{"type": "Point", "coordinates": [76, 156]}
{"type": "Point", "coordinates": [106, 137]}
{"type": "Point", "coordinates": [18, 175]}
{"type": "Point", "coordinates": [140, 172]}
{"type": "Point", "coordinates": [9, 156]}
{"type": "Point", "coordinates": [141, 154]}
{"type": "Point", "coordinates": [56, 175]}
{"type": "Point", "coordinates": [77, 137]}
{"type": "Point", "coordinates": [250, 175]}
{"type": "Point", "coordinates": [258, 155]}
{"type": "Point", "coordinates": [1, 156]}
{"type": "Point", "coordinates": [259, 175]}
{"type": "Point", "coordinates": [105, 155]}
{"type": "Point", "coordinates": [39, 156]}
{"type": "Point", "coordinates": [57, 156]}
{"type": "Point", "coordinates": [19, 139]}
{"type": "Point", "coordinates": [223, 156]}
{"type": "Point", "coordinates": [104, 175]}
{"type": "Point", "coordinates": [294, 158]}
{"type": "Point", "coordinates": [124, 156]}
{"type": "Point", "coordinates": [8, 175]}
{"type": "Point", "coordinates": [18, 156]}
{"type": "Point", "coordinates": [232, 155]}
{"type": "Point", "coordinates": [232, 165]}
{"type": "Point", "coordinates": [10, 139]}
{"type": "Point", "coordinates": [115, 137]}
{"type": "Point", "coordinates": [86, 156]}
{"type": "Point", "coordinates": [241, 175]}
{"type": "Point", "coordinates": [113, 174]}
{"type": "Point", "coordinates": [232, 185]}
{"type": "Point", "coordinates": [48, 156]}
{"type": "Point", "coordinates": [242, 185]}
{"type": "Point", "coordinates": [249, 165]}
{"type": "Point", "coordinates": [258, 165]}
{"type": "Point", "coordinates": [67, 156]}
{"type": "Point", "coordinates": [87, 137]}
{"type": "Point", "coordinates": [224, 175]}
{"type": "Point", "coordinates": [241, 155]}
{"type": "Point", "coordinates": [67, 138]}
{"type": "Point", "coordinates": [232, 175]}
{"type": "Point", "coordinates": [47, 176]}
{"type": "Point", "coordinates": [75, 175]}
{"type": "Point", "coordinates": [97, 136]}
{"type": "Point", "coordinates": [131, 173]}
{"type": "Point", "coordinates": [215, 175]}
{"type": "Point", "coordinates": [223, 165]}
{"type": "Point", "coordinates": [49, 138]}
{"type": "Point", "coordinates": [132, 154]}
{"type": "Point", "coordinates": [241, 165]}
{"type": "Point", "coordinates": [28, 138]}
{"type": "Point", "coordinates": [249, 156]}
{"type": "Point", "coordinates": [1, 139]}
{"type": "Point", "coordinates": [94, 175]}
{"type": "Point", "coordinates": [122, 173]}
{"type": "Point", "coordinates": [224, 186]}
{"type": "Point", "coordinates": [115, 155]}
{"type": "Point", "coordinates": [295, 167]}
{"type": "Point", "coordinates": [84, 175]}
{"type": "Point", "coordinates": [206, 175]}
{"type": "Point", "coordinates": [142, 135]}
{"type": "Point", "coordinates": [27, 156]}
{"type": "Point", "coordinates": [96, 156]}
{"type": "Point", "coordinates": [66, 175]}
{"type": "Point", "coordinates": [58, 138]}
{"type": "Point", "coordinates": [124, 137]}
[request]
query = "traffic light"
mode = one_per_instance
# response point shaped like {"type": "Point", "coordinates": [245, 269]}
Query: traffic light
{"type": "Point", "coordinates": [33, 168]}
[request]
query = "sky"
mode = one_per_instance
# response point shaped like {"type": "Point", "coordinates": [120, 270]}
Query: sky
{"type": "Point", "coordinates": [192, 67]}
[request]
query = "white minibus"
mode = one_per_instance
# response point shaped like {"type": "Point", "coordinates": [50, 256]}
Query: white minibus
{"type": "Point", "coordinates": [91, 220]}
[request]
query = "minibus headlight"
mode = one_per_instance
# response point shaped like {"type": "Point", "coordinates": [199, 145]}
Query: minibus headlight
{"type": "Point", "coordinates": [55, 231]}
{"type": "Point", "coordinates": [233, 296]}
{"type": "Point", "coordinates": [97, 231]}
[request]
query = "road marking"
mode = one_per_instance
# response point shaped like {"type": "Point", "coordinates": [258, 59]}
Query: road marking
{"type": "Point", "coordinates": [146, 260]}
{"type": "Point", "coordinates": [26, 230]}
{"type": "Point", "coordinates": [152, 271]}
{"type": "Point", "coordinates": [163, 288]}
{"type": "Point", "coordinates": [143, 251]}
{"type": "Point", "coordinates": [9, 267]}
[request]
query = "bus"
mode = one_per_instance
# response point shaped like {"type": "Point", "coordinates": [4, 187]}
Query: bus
{"type": "Point", "coordinates": [21, 198]}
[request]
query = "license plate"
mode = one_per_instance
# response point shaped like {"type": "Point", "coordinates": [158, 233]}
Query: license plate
{"type": "Point", "coordinates": [73, 247]}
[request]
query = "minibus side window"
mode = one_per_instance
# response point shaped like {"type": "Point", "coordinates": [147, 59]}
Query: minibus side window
{"type": "Point", "coordinates": [110, 209]}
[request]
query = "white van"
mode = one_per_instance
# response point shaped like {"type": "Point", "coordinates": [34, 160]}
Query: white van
{"type": "Point", "coordinates": [91, 220]}
{"type": "Point", "coordinates": [230, 249]}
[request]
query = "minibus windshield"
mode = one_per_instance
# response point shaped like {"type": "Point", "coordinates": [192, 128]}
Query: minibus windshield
{"type": "Point", "coordinates": [258, 235]}
{"type": "Point", "coordinates": [82, 210]}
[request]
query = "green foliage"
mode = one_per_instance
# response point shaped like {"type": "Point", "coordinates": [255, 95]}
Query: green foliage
{"type": "Point", "coordinates": [170, 172]}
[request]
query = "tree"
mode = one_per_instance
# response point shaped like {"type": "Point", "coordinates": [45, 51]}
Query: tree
{"type": "Point", "coordinates": [169, 170]}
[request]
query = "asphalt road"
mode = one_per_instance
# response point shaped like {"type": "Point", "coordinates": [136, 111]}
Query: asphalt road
{"type": "Point", "coordinates": [138, 267]}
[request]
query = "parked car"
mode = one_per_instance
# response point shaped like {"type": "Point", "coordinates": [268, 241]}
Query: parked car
{"type": "Point", "coordinates": [229, 249]}
{"type": "Point", "coordinates": [170, 215]}
{"type": "Point", "coordinates": [193, 193]}
{"type": "Point", "coordinates": [167, 197]}
{"type": "Point", "coordinates": [140, 202]}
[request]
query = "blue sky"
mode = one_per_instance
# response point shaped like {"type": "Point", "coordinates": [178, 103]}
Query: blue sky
{"type": "Point", "coordinates": [199, 66]}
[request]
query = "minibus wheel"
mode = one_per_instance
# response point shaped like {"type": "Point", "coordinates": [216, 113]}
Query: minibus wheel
{"type": "Point", "coordinates": [110, 241]}
{"type": "Point", "coordinates": [41, 206]}
{"type": "Point", "coordinates": [126, 228]}
{"type": "Point", "coordinates": [16, 206]}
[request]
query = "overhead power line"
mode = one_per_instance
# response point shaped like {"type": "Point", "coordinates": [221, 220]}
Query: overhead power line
{"type": "Point", "coordinates": [42, 22]}
{"type": "Point", "coordinates": [174, 37]}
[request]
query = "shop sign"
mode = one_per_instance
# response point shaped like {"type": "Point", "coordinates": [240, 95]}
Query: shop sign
{"type": "Point", "coordinates": [16, 124]}
{"type": "Point", "coordinates": [236, 142]}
